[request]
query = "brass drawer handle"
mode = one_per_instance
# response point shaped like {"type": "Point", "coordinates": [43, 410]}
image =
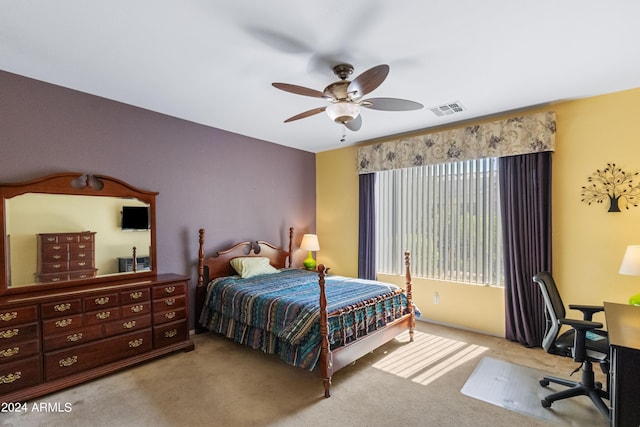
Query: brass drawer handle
{"type": "Point", "coordinates": [170, 315]}
{"type": "Point", "coordinates": [56, 265]}
{"type": "Point", "coordinates": [65, 363]}
{"type": "Point", "coordinates": [170, 301]}
{"type": "Point", "coordinates": [56, 256]}
{"type": "Point", "coordinates": [135, 295]}
{"type": "Point", "coordinates": [74, 337]}
{"type": "Point", "coordinates": [87, 238]}
{"type": "Point", "coordinates": [129, 325]}
{"type": "Point", "coordinates": [9, 378]}
{"type": "Point", "coordinates": [82, 264]}
{"type": "Point", "coordinates": [103, 315]}
{"type": "Point", "coordinates": [82, 246]}
{"type": "Point", "coordinates": [137, 308]}
{"type": "Point", "coordinates": [135, 343]}
{"type": "Point", "coordinates": [63, 323]}
{"type": "Point", "coordinates": [8, 316]}
{"type": "Point", "coordinates": [170, 334]}
{"type": "Point", "coordinates": [82, 255]}
{"type": "Point", "coordinates": [9, 352]}
{"type": "Point", "coordinates": [62, 307]}
{"type": "Point", "coordinates": [102, 300]}
{"type": "Point", "coordinates": [57, 247]}
{"type": "Point", "coordinates": [70, 238]}
{"type": "Point", "coordinates": [55, 279]}
{"type": "Point", "coordinates": [170, 289]}
{"type": "Point", "coordinates": [51, 239]}
{"type": "Point", "coordinates": [9, 333]}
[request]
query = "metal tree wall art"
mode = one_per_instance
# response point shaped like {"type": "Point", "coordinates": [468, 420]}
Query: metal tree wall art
{"type": "Point", "coordinates": [612, 184]}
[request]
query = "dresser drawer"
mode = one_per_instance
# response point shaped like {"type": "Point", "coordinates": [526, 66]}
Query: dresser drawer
{"type": "Point", "coordinates": [11, 352]}
{"type": "Point", "coordinates": [102, 316]}
{"type": "Point", "coordinates": [81, 264]}
{"type": "Point", "coordinates": [101, 301]}
{"type": "Point", "coordinates": [70, 361]}
{"type": "Point", "coordinates": [85, 274]}
{"type": "Point", "coordinates": [52, 277]}
{"type": "Point", "coordinates": [169, 316]}
{"type": "Point", "coordinates": [54, 255]}
{"type": "Point", "coordinates": [19, 333]}
{"type": "Point", "coordinates": [81, 247]}
{"type": "Point", "coordinates": [171, 303]}
{"type": "Point", "coordinates": [136, 309]}
{"type": "Point", "coordinates": [79, 336]}
{"type": "Point", "coordinates": [19, 374]}
{"type": "Point", "coordinates": [62, 324]}
{"type": "Point", "coordinates": [134, 296]}
{"type": "Point", "coordinates": [127, 325]}
{"type": "Point", "coordinates": [170, 333]}
{"type": "Point", "coordinates": [54, 267]}
{"type": "Point", "coordinates": [169, 290]}
{"type": "Point", "coordinates": [16, 316]}
{"type": "Point", "coordinates": [61, 308]}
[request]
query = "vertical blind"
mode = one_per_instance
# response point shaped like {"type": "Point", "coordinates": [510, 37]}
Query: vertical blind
{"type": "Point", "coordinates": [447, 215]}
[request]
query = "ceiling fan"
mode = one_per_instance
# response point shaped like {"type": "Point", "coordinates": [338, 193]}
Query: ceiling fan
{"type": "Point", "coordinates": [345, 97]}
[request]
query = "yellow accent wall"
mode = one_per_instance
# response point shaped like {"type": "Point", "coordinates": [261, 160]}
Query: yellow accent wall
{"type": "Point", "coordinates": [588, 241]}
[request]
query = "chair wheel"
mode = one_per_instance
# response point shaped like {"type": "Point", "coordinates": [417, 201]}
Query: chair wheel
{"type": "Point", "coordinates": [598, 385]}
{"type": "Point", "coordinates": [544, 383]}
{"type": "Point", "coordinates": [545, 403]}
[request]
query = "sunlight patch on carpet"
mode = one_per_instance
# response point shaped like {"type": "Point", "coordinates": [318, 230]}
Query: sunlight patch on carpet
{"type": "Point", "coordinates": [428, 358]}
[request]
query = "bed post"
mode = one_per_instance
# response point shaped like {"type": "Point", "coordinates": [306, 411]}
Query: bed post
{"type": "Point", "coordinates": [407, 275]}
{"type": "Point", "coordinates": [290, 245]}
{"type": "Point", "coordinates": [326, 362]}
{"type": "Point", "coordinates": [200, 288]}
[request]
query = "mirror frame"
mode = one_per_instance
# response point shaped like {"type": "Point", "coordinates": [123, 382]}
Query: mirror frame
{"type": "Point", "coordinates": [75, 183]}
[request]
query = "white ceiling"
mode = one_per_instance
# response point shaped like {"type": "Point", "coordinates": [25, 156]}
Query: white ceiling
{"type": "Point", "coordinates": [213, 61]}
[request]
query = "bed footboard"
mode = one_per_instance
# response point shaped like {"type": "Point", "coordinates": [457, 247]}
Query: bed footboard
{"type": "Point", "coordinates": [333, 360]}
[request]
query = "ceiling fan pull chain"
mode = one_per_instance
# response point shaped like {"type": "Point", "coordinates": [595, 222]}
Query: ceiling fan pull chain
{"type": "Point", "coordinates": [344, 133]}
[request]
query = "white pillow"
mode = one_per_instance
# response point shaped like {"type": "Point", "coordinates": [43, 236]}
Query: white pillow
{"type": "Point", "coordinates": [252, 266]}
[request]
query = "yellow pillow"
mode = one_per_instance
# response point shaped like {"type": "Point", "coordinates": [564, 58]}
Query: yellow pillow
{"type": "Point", "coordinates": [252, 266]}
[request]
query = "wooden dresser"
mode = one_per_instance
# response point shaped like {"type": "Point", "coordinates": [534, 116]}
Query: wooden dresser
{"type": "Point", "coordinates": [65, 256]}
{"type": "Point", "coordinates": [73, 335]}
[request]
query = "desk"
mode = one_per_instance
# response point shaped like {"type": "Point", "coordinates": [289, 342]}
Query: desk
{"type": "Point", "coordinates": [623, 324]}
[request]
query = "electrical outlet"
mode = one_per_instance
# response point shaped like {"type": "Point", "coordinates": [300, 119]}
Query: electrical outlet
{"type": "Point", "coordinates": [436, 298]}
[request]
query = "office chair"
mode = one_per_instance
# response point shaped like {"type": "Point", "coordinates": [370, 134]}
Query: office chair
{"type": "Point", "coordinates": [585, 343]}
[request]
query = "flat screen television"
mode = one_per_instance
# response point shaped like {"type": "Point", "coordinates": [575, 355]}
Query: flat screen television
{"type": "Point", "coordinates": [135, 217]}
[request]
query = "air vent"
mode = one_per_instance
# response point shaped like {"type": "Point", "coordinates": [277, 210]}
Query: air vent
{"type": "Point", "coordinates": [448, 109]}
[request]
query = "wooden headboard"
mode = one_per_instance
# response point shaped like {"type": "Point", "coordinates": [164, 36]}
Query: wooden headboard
{"type": "Point", "coordinates": [220, 266]}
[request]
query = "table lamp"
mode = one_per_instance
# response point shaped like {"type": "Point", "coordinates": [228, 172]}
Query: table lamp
{"type": "Point", "coordinates": [631, 266]}
{"type": "Point", "coordinates": [310, 243]}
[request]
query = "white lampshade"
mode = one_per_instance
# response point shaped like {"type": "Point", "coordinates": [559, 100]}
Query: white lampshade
{"type": "Point", "coordinates": [631, 261]}
{"type": "Point", "coordinates": [310, 243]}
{"type": "Point", "coordinates": [343, 111]}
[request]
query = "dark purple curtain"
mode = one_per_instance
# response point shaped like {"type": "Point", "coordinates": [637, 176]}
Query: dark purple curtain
{"type": "Point", "coordinates": [367, 227]}
{"type": "Point", "coordinates": [525, 193]}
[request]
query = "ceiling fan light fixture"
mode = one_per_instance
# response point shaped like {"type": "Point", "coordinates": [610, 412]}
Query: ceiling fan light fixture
{"type": "Point", "coordinates": [343, 111]}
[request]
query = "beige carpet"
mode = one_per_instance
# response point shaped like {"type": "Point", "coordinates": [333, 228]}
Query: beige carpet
{"type": "Point", "coordinates": [221, 383]}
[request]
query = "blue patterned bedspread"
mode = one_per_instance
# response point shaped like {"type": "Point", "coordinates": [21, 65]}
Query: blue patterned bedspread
{"type": "Point", "coordinates": [279, 313]}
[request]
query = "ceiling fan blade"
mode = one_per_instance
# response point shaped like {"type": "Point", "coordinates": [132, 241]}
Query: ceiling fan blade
{"type": "Point", "coordinates": [306, 114]}
{"type": "Point", "coordinates": [299, 90]}
{"type": "Point", "coordinates": [390, 104]}
{"type": "Point", "coordinates": [369, 80]}
{"type": "Point", "coordinates": [354, 124]}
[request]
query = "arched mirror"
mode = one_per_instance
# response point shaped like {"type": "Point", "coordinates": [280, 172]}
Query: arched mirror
{"type": "Point", "coordinates": [69, 229]}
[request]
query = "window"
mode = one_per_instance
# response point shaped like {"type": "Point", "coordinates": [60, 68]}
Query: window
{"type": "Point", "coordinates": [447, 216]}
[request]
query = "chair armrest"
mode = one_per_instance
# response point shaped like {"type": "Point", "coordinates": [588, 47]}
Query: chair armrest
{"type": "Point", "coordinates": [587, 310]}
{"type": "Point", "coordinates": [583, 325]}
{"type": "Point", "coordinates": [580, 336]}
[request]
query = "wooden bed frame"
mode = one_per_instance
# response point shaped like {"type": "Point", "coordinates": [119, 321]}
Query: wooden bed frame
{"type": "Point", "coordinates": [330, 360]}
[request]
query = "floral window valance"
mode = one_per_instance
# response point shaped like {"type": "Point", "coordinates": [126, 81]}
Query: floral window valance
{"type": "Point", "coordinates": [518, 135]}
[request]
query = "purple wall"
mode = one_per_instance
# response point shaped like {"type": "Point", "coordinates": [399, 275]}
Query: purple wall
{"type": "Point", "coordinates": [236, 187]}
